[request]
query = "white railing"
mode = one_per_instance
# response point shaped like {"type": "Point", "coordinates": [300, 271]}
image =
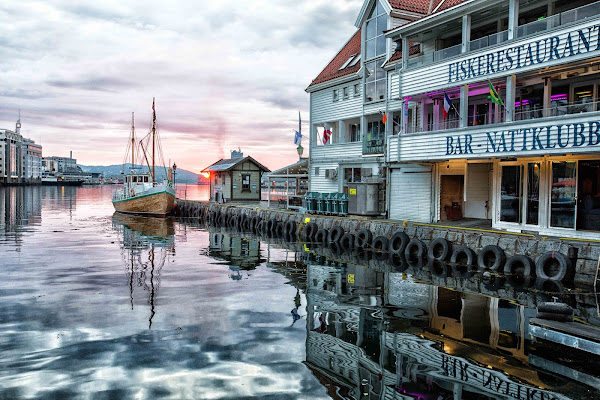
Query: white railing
{"type": "Point", "coordinates": [557, 110]}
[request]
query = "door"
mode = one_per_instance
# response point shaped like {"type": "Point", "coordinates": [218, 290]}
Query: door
{"type": "Point", "coordinates": [478, 191]}
{"type": "Point", "coordinates": [451, 197]}
{"type": "Point", "coordinates": [563, 194]}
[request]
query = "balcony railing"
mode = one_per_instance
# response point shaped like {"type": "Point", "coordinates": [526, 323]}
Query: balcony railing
{"type": "Point", "coordinates": [374, 146]}
{"type": "Point", "coordinates": [557, 110]}
{"type": "Point", "coordinates": [566, 17]}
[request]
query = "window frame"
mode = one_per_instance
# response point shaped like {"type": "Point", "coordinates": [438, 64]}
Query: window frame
{"type": "Point", "coordinates": [244, 184]}
{"type": "Point", "coordinates": [336, 95]}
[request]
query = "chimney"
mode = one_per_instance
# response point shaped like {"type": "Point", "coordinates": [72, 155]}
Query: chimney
{"type": "Point", "coordinates": [71, 154]}
{"type": "Point", "coordinates": [237, 154]}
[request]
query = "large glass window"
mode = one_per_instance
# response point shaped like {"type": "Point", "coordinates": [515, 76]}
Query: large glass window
{"type": "Point", "coordinates": [562, 197]}
{"type": "Point", "coordinates": [533, 193]}
{"type": "Point", "coordinates": [510, 195]}
{"type": "Point", "coordinates": [355, 132]}
{"type": "Point", "coordinates": [375, 47]}
{"type": "Point", "coordinates": [374, 138]}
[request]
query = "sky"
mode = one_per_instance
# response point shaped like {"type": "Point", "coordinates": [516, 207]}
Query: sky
{"type": "Point", "coordinates": [225, 74]}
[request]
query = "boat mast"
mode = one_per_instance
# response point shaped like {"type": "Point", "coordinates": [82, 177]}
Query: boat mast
{"type": "Point", "coordinates": [132, 141]}
{"type": "Point", "coordinates": [153, 134]}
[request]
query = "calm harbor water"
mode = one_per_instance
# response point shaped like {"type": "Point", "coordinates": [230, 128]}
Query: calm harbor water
{"type": "Point", "coordinates": [96, 305]}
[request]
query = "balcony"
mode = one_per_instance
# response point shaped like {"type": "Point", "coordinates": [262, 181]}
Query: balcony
{"type": "Point", "coordinates": [567, 17]}
{"type": "Point", "coordinates": [558, 109]}
{"type": "Point", "coordinates": [374, 146]}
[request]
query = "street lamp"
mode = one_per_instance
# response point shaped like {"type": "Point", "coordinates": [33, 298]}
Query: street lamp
{"type": "Point", "coordinates": [300, 150]}
{"type": "Point", "coordinates": [174, 169]}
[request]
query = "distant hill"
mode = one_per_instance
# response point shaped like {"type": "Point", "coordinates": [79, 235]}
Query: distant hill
{"type": "Point", "coordinates": [182, 175]}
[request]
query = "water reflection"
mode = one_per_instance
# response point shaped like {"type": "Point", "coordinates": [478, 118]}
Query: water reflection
{"type": "Point", "coordinates": [374, 334]}
{"type": "Point", "coordinates": [146, 244]}
{"type": "Point", "coordinates": [19, 208]}
{"type": "Point", "coordinates": [241, 254]}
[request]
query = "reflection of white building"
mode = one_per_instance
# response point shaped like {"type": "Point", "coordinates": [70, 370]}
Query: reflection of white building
{"type": "Point", "coordinates": [400, 339]}
{"type": "Point", "coordinates": [529, 163]}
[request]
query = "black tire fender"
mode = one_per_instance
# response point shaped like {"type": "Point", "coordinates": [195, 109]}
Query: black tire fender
{"type": "Point", "coordinates": [549, 259]}
{"type": "Point", "coordinates": [491, 257]}
{"type": "Point", "coordinates": [439, 249]}
{"type": "Point", "coordinates": [398, 242]}
{"type": "Point", "coordinates": [554, 317]}
{"type": "Point", "coordinates": [346, 242]}
{"type": "Point", "coordinates": [463, 256]}
{"type": "Point", "coordinates": [290, 229]}
{"type": "Point", "coordinates": [555, 308]}
{"type": "Point", "coordinates": [321, 237]}
{"type": "Point", "coordinates": [438, 268]}
{"type": "Point", "coordinates": [415, 252]}
{"type": "Point", "coordinates": [398, 262]}
{"type": "Point", "coordinates": [309, 231]}
{"type": "Point", "coordinates": [279, 229]}
{"type": "Point", "coordinates": [380, 244]}
{"type": "Point", "coordinates": [363, 238]}
{"type": "Point", "coordinates": [336, 233]}
{"type": "Point", "coordinates": [518, 262]}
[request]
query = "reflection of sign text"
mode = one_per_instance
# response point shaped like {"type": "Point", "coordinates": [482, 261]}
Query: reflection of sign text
{"type": "Point", "coordinates": [350, 278]}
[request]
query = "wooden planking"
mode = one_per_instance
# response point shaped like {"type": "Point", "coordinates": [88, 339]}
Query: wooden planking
{"type": "Point", "coordinates": [433, 146]}
{"type": "Point", "coordinates": [410, 191]}
{"type": "Point", "coordinates": [320, 183]}
{"type": "Point", "coordinates": [438, 73]}
{"type": "Point", "coordinates": [392, 148]}
{"type": "Point", "coordinates": [324, 109]}
{"type": "Point", "coordinates": [159, 203]}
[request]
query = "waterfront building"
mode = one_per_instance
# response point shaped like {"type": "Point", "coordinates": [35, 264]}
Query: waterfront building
{"type": "Point", "coordinates": [60, 165]}
{"type": "Point", "coordinates": [20, 158]}
{"type": "Point", "coordinates": [235, 179]}
{"type": "Point", "coordinates": [467, 109]}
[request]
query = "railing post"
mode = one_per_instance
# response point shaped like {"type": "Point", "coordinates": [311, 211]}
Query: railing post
{"type": "Point", "coordinates": [513, 18]}
{"type": "Point", "coordinates": [466, 33]}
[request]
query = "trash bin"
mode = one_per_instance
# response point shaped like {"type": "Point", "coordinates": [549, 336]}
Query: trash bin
{"type": "Point", "coordinates": [327, 197]}
{"type": "Point", "coordinates": [335, 203]}
{"type": "Point", "coordinates": [320, 200]}
{"type": "Point", "coordinates": [310, 203]}
{"type": "Point", "coordinates": [343, 203]}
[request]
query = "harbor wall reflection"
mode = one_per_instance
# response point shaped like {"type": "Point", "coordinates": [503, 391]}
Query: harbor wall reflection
{"type": "Point", "coordinates": [384, 335]}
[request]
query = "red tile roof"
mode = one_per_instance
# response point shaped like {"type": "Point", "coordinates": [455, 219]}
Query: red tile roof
{"type": "Point", "coordinates": [414, 49]}
{"type": "Point", "coordinates": [332, 70]}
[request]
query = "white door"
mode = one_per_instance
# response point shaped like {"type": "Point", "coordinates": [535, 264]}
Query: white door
{"type": "Point", "coordinates": [410, 191]}
{"type": "Point", "coordinates": [478, 191]}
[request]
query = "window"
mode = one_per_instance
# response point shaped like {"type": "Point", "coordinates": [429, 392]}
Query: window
{"type": "Point", "coordinates": [355, 132]}
{"type": "Point", "coordinates": [335, 95]}
{"type": "Point", "coordinates": [316, 171]}
{"type": "Point", "coordinates": [375, 82]}
{"type": "Point", "coordinates": [145, 179]}
{"type": "Point", "coordinates": [562, 195]}
{"type": "Point", "coordinates": [345, 92]}
{"type": "Point", "coordinates": [356, 60]}
{"type": "Point", "coordinates": [356, 90]}
{"type": "Point", "coordinates": [245, 182]}
{"type": "Point", "coordinates": [511, 196]}
{"type": "Point", "coordinates": [344, 65]}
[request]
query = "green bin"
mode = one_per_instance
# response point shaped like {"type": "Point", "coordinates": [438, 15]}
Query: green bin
{"type": "Point", "coordinates": [335, 203]}
{"type": "Point", "coordinates": [327, 199]}
{"type": "Point", "coordinates": [311, 201]}
{"type": "Point", "coordinates": [344, 203]}
{"type": "Point", "coordinates": [320, 199]}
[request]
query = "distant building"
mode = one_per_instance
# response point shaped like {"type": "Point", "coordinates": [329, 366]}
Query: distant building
{"type": "Point", "coordinates": [62, 165]}
{"type": "Point", "coordinates": [20, 158]}
{"type": "Point", "coordinates": [236, 178]}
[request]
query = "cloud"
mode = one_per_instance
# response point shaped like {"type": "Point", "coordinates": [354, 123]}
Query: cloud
{"type": "Point", "coordinates": [224, 76]}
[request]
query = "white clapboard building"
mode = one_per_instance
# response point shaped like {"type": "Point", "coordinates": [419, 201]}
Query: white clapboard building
{"type": "Point", "coordinates": [492, 108]}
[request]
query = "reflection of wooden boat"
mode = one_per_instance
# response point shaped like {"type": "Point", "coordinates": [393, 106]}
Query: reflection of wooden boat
{"type": "Point", "coordinates": [150, 227]}
{"type": "Point", "coordinates": [141, 192]}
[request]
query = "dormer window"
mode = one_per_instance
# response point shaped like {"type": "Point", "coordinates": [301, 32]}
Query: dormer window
{"type": "Point", "coordinates": [355, 61]}
{"type": "Point", "coordinates": [345, 65]}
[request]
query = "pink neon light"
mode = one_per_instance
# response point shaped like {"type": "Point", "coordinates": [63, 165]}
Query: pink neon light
{"type": "Point", "coordinates": [562, 96]}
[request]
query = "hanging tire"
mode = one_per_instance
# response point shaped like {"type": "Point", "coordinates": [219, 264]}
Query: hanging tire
{"type": "Point", "coordinates": [222, 220]}
{"type": "Point", "coordinates": [439, 249]}
{"type": "Point", "coordinates": [271, 225]}
{"type": "Point", "coordinates": [346, 242]}
{"type": "Point", "coordinates": [438, 268]}
{"type": "Point", "coordinates": [246, 226]}
{"type": "Point", "coordinates": [335, 249]}
{"type": "Point", "coordinates": [254, 224]}
{"type": "Point", "coordinates": [415, 253]}
{"type": "Point", "coordinates": [363, 238]}
{"type": "Point", "coordinates": [398, 262]}
{"type": "Point", "coordinates": [363, 256]}
{"type": "Point", "coordinates": [211, 218]}
{"type": "Point", "coordinates": [290, 229]}
{"type": "Point", "coordinates": [380, 244]}
{"type": "Point", "coordinates": [279, 229]}
{"type": "Point", "coordinates": [398, 242]}
{"type": "Point", "coordinates": [553, 266]}
{"type": "Point", "coordinates": [321, 237]}
{"type": "Point", "coordinates": [264, 228]}
{"type": "Point", "coordinates": [518, 265]}
{"type": "Point", "coordinates": [491, 257]}
{"type": "Point", "coordinates": [463, 256]}
{"type": "Point", "coordinates": [309, 231]}
{"type": "Point", "coordinates": [492, 282]}
{"type": "Point", "coordinates": [335, 234]}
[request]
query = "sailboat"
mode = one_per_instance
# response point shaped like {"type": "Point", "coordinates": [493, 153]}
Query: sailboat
{"type": "Point", "coordinates": [142, 193]}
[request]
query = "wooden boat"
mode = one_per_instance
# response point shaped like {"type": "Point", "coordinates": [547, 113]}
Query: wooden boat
{"type": "Point", "coordinates": [142, 193]}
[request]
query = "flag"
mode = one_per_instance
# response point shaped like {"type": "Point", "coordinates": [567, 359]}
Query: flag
{"type": "Point", "coordinates": [153, 112]}
{"type": "Point", "coordinates": [447, 105]}
{"type": "Point", "coordinates": [326, 136]}
{"type": "Point", "coordinates": [384, 119]}
{"type": "Point", "coordinates": [495, 97]}
{"type": "Point", "coordinates": [297, 138]}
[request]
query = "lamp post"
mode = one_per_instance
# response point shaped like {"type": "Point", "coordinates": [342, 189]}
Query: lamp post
{"type": "Point", "coordinates": [300, 150]}
{"type": "Point", "coordinates": [174, 169]}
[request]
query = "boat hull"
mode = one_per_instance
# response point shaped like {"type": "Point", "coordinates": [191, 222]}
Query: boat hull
{"type": "Point", "coordinates": [158, 204]}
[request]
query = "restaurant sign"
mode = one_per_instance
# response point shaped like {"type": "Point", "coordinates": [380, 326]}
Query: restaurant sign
{"type": "Point", "coordinates": [523, 55]}
{"type": "Point", "coordinates": [547, 139]}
